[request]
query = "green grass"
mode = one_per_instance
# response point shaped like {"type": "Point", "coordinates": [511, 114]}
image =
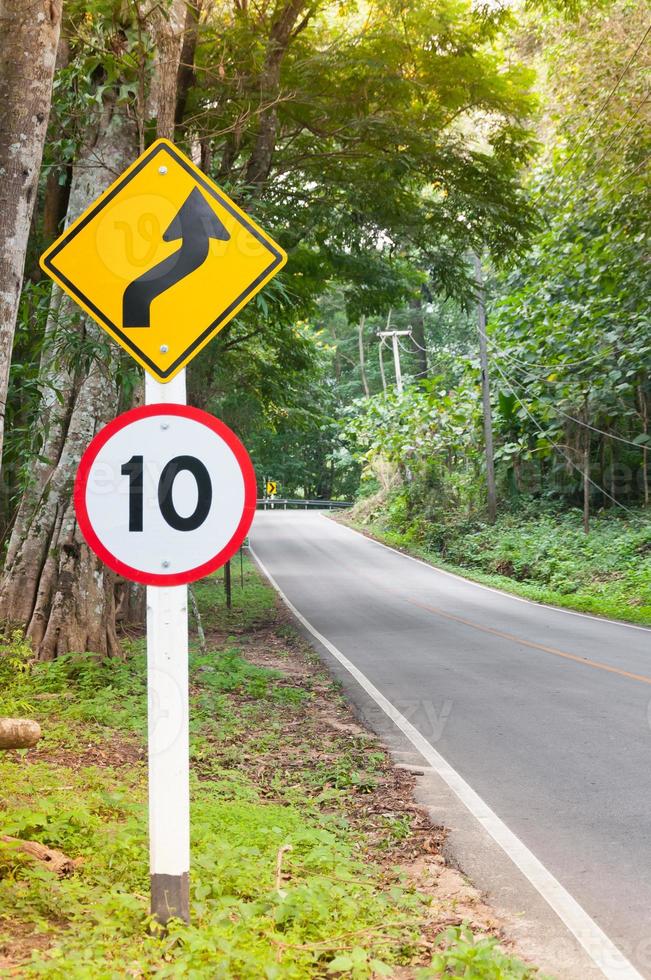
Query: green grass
{"type": "Point", "coordinates": [253, 605]}
{"type": "Point", "coordinates": [546, 557]}
{"type": "Point", "coordinates": [335, 912]}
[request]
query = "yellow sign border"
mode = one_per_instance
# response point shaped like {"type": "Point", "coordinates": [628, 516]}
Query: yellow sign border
{"type": "Point", "coordinates": [278, 260]}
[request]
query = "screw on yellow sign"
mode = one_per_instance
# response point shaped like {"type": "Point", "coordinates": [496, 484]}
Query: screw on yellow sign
{"type": "Point", "coordinates": [163, 259]}
{"type": "Point", "coordinates": [272, 488]}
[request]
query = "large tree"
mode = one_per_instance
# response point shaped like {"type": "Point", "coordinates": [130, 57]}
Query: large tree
{"type": "Point", "coordinates": [571, 339]}
{"type": "Point", "coordinates": [29, 35]}
{"type": "Point", "coordinates": [53, 583]}
{"type": "Point", "coordinates": [424, 148]}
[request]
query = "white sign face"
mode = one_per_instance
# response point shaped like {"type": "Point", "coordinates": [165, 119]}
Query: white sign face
{"type": "Point", "coordinates": [165, 494]}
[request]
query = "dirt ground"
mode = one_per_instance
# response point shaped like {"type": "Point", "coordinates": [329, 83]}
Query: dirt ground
{"type": "Point", "coordinates": [323, 736]}
{"type": "Point", "coordinates": [329, 729]}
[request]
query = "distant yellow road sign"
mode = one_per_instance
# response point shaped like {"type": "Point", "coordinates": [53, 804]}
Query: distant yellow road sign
{"type": "Point", "coordinates": [163, 260]}
{"type": "Point", "coordinates": [272, 488]}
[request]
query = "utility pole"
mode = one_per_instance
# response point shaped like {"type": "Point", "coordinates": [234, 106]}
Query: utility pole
{"type": "Point", "coordinates": [485, 390]}
{"type": "Point", "coordinates": [394, 334]}
{"type": "Point", "coordinates": [586, 465]}
{"type": "Point", "coordinates": [396, 362]}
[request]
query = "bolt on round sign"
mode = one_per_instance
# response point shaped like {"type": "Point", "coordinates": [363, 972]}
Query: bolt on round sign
{"type": "Point", "coordinates": [165, 494]}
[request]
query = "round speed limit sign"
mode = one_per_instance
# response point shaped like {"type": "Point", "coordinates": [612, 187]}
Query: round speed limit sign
{"type": "Point", "coordinates": [165, 494]}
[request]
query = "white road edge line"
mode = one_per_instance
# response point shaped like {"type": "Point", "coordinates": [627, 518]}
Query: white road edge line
{"type": "Point", "coordinates": [487, 588]}
{"type": "Point", "coordinates": [603, 952]}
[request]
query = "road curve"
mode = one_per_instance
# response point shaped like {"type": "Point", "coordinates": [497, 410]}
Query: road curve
{"type": "Point", "coordinates": [544, 713]}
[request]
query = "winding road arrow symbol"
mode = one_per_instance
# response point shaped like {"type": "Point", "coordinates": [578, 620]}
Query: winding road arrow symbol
{"type": "Point", "coordinates": [195, 224]}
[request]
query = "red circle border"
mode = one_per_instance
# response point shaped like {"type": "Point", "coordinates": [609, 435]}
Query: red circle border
{"type": "Point", "coordinates": [150, 411]}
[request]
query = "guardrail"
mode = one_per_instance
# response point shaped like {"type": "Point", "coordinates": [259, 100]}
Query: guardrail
{"type": "Point", "coordinates": [283, 503]}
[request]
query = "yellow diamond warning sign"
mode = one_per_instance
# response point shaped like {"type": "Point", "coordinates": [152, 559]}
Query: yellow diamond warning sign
{"type": "Point", "coordinates": [163, 260]}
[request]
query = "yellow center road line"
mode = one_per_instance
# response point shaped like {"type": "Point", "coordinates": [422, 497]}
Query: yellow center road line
{"type": "Point", "coordinates": [486, 588]}
{"type": "Point", "coordinates": [511, 637]}
{"type": "Point", "coordinates": [529, 643]}
{"type": "Point", "coordinates": [599, 947]}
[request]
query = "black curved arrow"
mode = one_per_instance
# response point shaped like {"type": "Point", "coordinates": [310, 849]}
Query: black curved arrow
{"type": "Point", "coordinates": [195, 224]}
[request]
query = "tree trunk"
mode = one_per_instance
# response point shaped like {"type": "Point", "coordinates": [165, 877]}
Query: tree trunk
{"type": "Point", "coordinates": [418, 331]}
{"type": "Point", "coordinates": [186, 73]}
{"type": "Point", "coordinates": [360, 340]}
{"type": "Point", "coordinates": [53, 583]}
{"type": "Point", "coordinates": [230, 152]}
{"type": "Point", "coordinates": [29, 35]}
{"type": "Point", "coordinates": [19, 733]}
{"type": "Point", "coordinates": [644, 415]}
{"type": "Point", "coordinates": [486, 395]}
{"type": "Point", "coordinates": [206, 156]}
{"type": "Point", "coordinates": [56, 861]}
{"type": "Point", "coordinates": [282, 30]}
{"type": "Point", "coordinates": [169, 24]}
{"type": "Point", "coordinates": [382, 374]}
{"type": "Point", "coordinates": [602, 471]}
{"type": "Point", "coordinates": [613, 481]}
{"type": "Point", "coordinates": [55, 206]}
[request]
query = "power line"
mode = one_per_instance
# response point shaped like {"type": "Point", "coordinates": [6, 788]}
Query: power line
{"type": "Point", "coordinates": [406, 350]}
{"type": "Point", "coordinates": [628, 141]}
{"type": "Point", "coordinates": [514, 384]}
{"type": "Point", "coordinates": [556, 410]}
{"type": "Point", "coordinates": [547, 367]}
{"type": "Point", "coordinates": [632, 173]}
{"type": "Point", "coordinates": [526, 364]}
{"type": "Point", "coordinates": [428, 350]}
{"type": "Point", "coordinates": [586, 425]}
{"type": "Point", "coordinates": [599, 113]}
{"type": "Point", "coordinates": [612, 144]}
{"type": "Point", "coordinates": [609, 435]}
{"type": "Point", "coordinates": [616, 138]}
{"type": "Point", "coordinates": [560, 450]}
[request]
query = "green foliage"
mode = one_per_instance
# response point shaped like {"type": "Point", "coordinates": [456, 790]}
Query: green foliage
{"type": "Point", "coordinates": [555, 552]}
{"type": "Point", "coordinates": [568, 335]}
{"type": "Point", "coordinates": [109, 59]}
{"type": "Point", "coordinates": [569, 328]}
{"type": "Point", "coordinates": [540, 553]}
{"type": "Point", "coordinates": [242, 924]}
{"type": "Point", "coordinates": [253, 603]}
{"type": "Point", "coordinates": [335, 913]}
{"type": "Point", "coordinates": [375, 191]}
{"type": "Point", "coordinates": [76, 688]}
{"type": "Point", "coordinates": [473, 957]}
{"type": "Point", "coordinates": [370, 193]}
{"type": "Point", "coordinates": [345, 773]}
{"type": "Point", "coordinates": [427, 420]}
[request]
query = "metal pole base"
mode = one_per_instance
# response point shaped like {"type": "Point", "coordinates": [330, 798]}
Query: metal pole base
{"type": "Point", "coordinates": [170, 897]}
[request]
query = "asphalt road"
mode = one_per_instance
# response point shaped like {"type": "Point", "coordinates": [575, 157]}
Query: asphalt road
{"type": "Point", "coordinates": [546, 714]}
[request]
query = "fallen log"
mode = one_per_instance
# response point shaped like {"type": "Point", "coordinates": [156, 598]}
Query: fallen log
{"type": "Point", "coordinates": [56, 861]}
{"type": "Point", "coordinates": [18, 733]}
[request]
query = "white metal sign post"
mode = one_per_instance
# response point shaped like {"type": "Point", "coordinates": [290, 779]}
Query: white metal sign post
{"type": "Point", "coordinates": [168, 725]}
{"type": "Point", "coordinates": [164, 495]}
